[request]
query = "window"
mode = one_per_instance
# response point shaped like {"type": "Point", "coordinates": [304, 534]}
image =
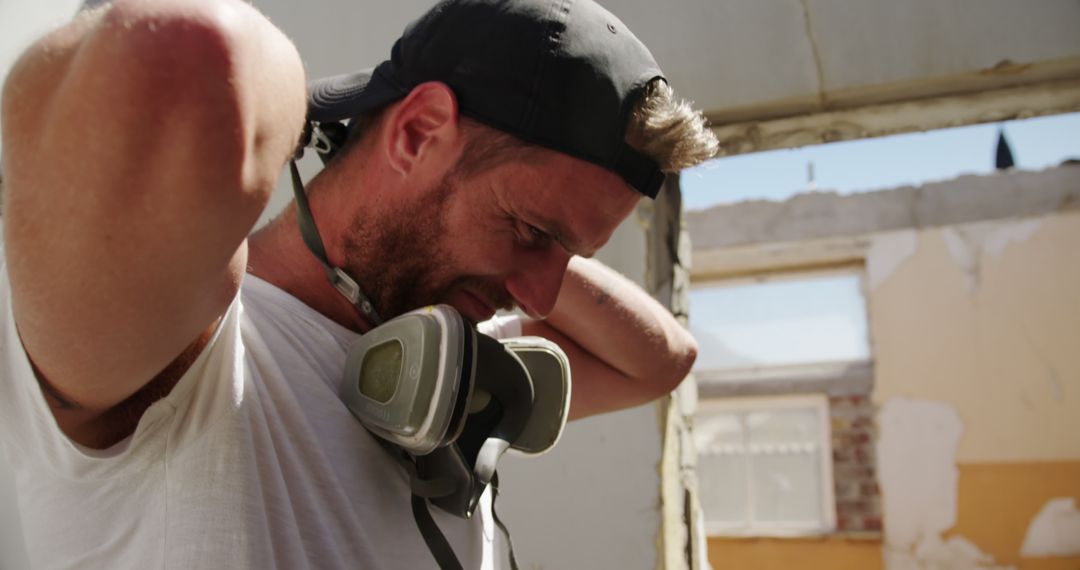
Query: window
{"type": "Point", "coordinates": [779, 320]}
{"type": "Point", "coordinates": [784, 428]}
{"type": "Point", "coordinates": [765, 465]}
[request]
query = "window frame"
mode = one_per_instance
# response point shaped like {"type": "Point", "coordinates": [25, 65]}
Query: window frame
{"type": "Point", "coordinates": [784, 371]}
{"type": "Point", "coordinates": [745, 405]}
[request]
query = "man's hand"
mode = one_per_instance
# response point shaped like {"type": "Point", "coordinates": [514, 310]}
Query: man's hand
{"type": "Point", "coordinates": [625, 349]}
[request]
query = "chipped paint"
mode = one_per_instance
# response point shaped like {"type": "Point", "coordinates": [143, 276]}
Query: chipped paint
{"type": "Point", "coordinates": [968, 244]}
{"type": "Point", "coordinates": [919, 502]}
{"type": "Point", "coordinates": [957, 553]}
{"type": "Point", "coordinates": [1055, 531]}
{"type": "Point", "coordinates": [917, 471]}
{"type": "Point", "coordinates": [887, 252]}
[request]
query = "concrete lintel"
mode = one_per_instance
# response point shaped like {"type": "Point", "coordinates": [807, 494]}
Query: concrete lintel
{"type": "Point", "coordinates": [834, 379]}
{"type": "Point", "coordinates": [821, 215]}
{"type": "Point", "coordinates": [816, 126]}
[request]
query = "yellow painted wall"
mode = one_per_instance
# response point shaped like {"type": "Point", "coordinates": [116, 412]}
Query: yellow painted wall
{"type": "Point", "coordinates": [997, 501]}
{"type": "Point", "coordinates": [985, 318]}
{"type": "Point", "coordinates": [825, 553]}
{"type": "Point", "coordinates": [997, 338]}
{"type": "Point", "coordinates": [995, 504]}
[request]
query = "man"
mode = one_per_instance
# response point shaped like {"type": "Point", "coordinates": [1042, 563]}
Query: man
{"type": "Point", "coordinates": [169, 391]}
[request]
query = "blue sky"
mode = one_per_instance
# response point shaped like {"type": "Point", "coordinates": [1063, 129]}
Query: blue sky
{"type": "Point", "coordinates": [886, 162]}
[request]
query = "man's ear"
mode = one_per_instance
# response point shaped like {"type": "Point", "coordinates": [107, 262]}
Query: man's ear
{"type": "Point", "coordinates": [423, 126]}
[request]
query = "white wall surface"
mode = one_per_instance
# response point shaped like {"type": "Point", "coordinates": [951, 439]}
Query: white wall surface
{"type": "Point", "coordinates": [22, 22]}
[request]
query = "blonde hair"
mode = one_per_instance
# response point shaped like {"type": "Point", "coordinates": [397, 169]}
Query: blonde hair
{"type": "Point", "coordinates": [669, 130]}
{"type": "Point", "coordinates": [666, 129]}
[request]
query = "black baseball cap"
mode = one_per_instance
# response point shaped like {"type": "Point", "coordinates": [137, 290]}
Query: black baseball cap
{"type": "Point", "coordinates": [563, 74]}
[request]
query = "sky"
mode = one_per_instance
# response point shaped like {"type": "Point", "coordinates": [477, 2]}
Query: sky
{"type": "Point", "coordinates": [886, 162]}
{"type": "Point", "coordinates": [779, 321]}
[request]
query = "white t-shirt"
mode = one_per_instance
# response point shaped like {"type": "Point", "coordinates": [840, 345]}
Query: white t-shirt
{"type": "Point", "coordinates": [251, 461]}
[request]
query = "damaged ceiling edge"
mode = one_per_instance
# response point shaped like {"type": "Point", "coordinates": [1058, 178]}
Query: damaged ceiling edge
{"type": "Point", "coordinates": [817, 126]}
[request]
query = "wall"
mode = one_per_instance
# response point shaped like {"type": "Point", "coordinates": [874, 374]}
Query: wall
{"type": "Point", "coordinates": [973, 294]}
{"type": "Point", "coordinates": [827, 553]}
{"type": "Point", "coordinates": [976, 330]}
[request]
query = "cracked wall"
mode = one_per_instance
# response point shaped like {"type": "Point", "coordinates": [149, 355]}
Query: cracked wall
{"type": "Point", "coordinates": [973, 294]}
{"type": "Point", "coordinates": [975, 332]}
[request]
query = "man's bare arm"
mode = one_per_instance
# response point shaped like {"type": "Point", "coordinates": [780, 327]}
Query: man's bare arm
{"type": "Point", "coordinates": [625, 349]}
{"type": "Point", "coordinates": [141, 143]}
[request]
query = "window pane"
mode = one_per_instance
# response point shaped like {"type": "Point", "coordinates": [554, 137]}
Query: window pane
{"type": "Point", "coordinates": [786, 489]}
{"type": "Point", "coordinates": [778, 322]}
{"type": "Point", "coordinates": [799, 427]}
{"type": "Point", "coordinates": [716, 432]}
{"type": "Point", "coordinates": [722, 484]}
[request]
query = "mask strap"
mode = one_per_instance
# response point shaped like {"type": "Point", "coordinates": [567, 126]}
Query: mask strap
{"type": "Point", "coordinates": [499, 523]}
{"type": "Point", "coordinates": [422, 490]}
{"type": "Point", "coordinates": [436, 541]}
{"type": "Point", "coordinates": [341, 281]}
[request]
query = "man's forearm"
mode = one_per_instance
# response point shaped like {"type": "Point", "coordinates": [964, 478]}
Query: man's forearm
{"type": "Point", "coordinates": [625, 348]}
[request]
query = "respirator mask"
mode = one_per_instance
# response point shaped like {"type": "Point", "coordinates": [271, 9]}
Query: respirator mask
{"type": "Point", "coordinates": [445, 400]}
{"type": "Point", "coordinates": [455, 399]}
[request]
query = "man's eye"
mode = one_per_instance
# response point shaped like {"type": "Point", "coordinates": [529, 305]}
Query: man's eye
{"type": "Point", "coordinates": [532, 236]}
{"type": "Point", "coordinates": [537, 233]}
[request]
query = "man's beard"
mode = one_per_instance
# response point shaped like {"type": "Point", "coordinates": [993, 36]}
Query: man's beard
{"type": "Point", "coordinates": [401, 261]}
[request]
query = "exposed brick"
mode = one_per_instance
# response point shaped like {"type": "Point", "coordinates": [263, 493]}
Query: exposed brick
{"type": "Point", "coordinates": [850, 471]}
{"type": "Point", "coordinates": [863, 421]}
{"type": "Point", "coordinates": [857, 495]}
{"type": "Point", "coordinates": [864, 454]}
{"type": "Point", "coordinates": [859, 437]}
{"type": "Point", "coordinates": [848, 490]}
{"type": "Point", "coordinates": [854, 508]}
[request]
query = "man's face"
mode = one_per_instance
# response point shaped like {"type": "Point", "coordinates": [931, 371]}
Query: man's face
{"type": "Point", "coordinates": [490, 240]}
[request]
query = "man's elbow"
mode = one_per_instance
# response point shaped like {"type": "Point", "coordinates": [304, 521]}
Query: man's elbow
{"type": "Point", "coordinates": [687, 352]}
{"type": "Point", "coordinates": [676, 364]}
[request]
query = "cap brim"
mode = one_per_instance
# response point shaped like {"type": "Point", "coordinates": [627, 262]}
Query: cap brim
{"type": "Point", "coordinates": [344, 96]}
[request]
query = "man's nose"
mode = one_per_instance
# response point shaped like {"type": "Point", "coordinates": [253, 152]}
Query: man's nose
{"type": "Point", "coordinates": [536, 283]}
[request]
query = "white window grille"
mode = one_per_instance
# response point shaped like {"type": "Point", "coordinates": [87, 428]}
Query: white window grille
{"type": "Point", "coordinates": [765, 465]}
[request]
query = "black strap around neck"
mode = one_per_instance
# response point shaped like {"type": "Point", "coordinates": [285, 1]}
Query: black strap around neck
{"type": "Point", "coordinates": [498, 521]}
{"type": "Point", "coordinates": [423, 490]}
{"type": "Point", "coordinates": [341, 281]}
{"type": "Point", "coordinates": [436, 541]}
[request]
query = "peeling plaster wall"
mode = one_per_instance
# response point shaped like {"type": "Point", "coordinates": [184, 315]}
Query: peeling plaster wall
{"type": "Point", "coordinates": [980, 322]}
{"type": "Point", "coordinates": [1055, 531]}
{"type": "Point", "coordinates": [986, 316]}
{"type": "Point", "coordinates": [918, 476]}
